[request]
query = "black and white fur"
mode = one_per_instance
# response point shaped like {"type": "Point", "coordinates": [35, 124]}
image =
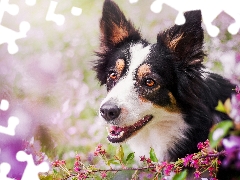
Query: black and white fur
{"type": "Point", "coordinates": [159, 95]}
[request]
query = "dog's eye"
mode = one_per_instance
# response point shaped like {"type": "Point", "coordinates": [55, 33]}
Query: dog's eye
{"type": "Point", "coordinates": [113, 75]}
{"type": "Point", "coordinates": [149, 82]}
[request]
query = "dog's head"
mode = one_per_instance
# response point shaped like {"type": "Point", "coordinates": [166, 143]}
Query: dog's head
{"type": "Point", "coordinates": [145, 81]}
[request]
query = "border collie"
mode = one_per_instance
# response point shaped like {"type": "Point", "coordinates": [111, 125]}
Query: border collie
{"type": "Point", "coordinates": [159, 95]}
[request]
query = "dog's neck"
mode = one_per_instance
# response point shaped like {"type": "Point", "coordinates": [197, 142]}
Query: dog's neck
{"type": "Point", "coordinates": [159, 135]}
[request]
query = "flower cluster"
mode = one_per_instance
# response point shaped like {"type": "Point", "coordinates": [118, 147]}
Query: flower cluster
{"type": "Point", "coordinates": [206, 160]}
{"type": "Point", "coordinates": [226, 133]}
{"type": "Point", "coordinates": [58, 163]}
{"type": "Point", "coordinates": [77, 163]}
{"type": "Point", "coordinates": [148, 161]}
{"type": "Point", "coordinates": [231, 144]}
{"type": "Point", "coordinates": [99, 151]}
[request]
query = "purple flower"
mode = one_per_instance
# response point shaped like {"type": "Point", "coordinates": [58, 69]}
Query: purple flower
{"type": "Point", "coordinates": [232, 148]}
{"type": "Point", "coordinates": [235, 112]}
{"type": "Point", "coordinates": [238, 58]}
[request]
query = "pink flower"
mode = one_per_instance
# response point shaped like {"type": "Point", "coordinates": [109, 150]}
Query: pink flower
{"type": "Point", "coordinates": [99, 150]}
{"type": "Point", "coordinates": [200, 146]}
{"type": "Point", "coordinates": [77, 169]}
{"type": "Point", "coordinates": [159, 168]}
{"type": "Point", "coordinates": [187, 159]}
{"type": "Point", "coordinates": [82, 176]}
{"type": "Point", "coordinates": [237, 89]}
{"type": "Point", "coordinates": [142, 158]}
{"type": "Point", "coordinates": [77, 157]}
{"type": "Point", "coordinates": [197, 174]}
{"type": "Point", "coordinates": [168, 169]}
{"type": "Point", "coordinates": [58, 163]}
{"type": "Point", "coordinates": [194, 163]}
{"type": "Point", "coordinates": [103, 174]}
{"type": "Point", "coordinates": [149, 161]}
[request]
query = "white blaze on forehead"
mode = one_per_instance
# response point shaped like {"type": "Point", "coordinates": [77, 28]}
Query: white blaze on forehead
{"type": "Point", "coordinates": [138, 55]}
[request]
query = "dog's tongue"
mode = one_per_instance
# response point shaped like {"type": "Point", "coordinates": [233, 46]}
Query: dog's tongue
{"type": "Point", "coordinates": [115, 130]}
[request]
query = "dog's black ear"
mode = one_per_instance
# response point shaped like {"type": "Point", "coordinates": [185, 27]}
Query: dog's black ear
{"type": "Point", "coordinates": [186, 41]}
{"type": "Point", "coordinates": [115, 27]}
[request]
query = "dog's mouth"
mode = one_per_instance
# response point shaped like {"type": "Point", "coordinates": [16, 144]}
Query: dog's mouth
{"type": "Point", "coordinates": [118, 134]}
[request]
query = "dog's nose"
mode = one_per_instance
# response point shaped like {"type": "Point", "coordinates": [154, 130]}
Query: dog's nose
{"type": "Point", "coordinates": [109, 111]}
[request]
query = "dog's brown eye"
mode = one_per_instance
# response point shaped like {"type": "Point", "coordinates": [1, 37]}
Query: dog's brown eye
{"type": "Point", "coordinates": [150, 82]}
{"type": "Point", "coordinates": [113, 75]}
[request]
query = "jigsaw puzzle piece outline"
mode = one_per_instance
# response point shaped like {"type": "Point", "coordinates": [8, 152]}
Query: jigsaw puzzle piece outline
{"type": "Point", "coordinates": [231, 7]}
{"type": "Point", "coordinates": [31, 171]}
{"type": "Point", "coordinates": [13, 121]}
{"type": "Point", "coordinates": [210, 11]}
{"type": "Point", "coordinates": [51, 16]}
{"type": "Point", "coordinates": [4, 105]}
{"type": "Point", "coordinates": [30, 2]}
{"type": "Point", "coordinates": [9, 36]}
{"type": "Point", "coordinates": [12, 9]}
{"type": "Point", "coordinates": [76, 11]}
{"type": "Point", "coordinates": [4, 170]}
{"type": "Point", "coordinates": [213, 31]}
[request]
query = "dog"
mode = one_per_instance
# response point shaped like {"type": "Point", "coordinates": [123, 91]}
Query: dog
{"type": "Point", "coordinates": [160, 95]}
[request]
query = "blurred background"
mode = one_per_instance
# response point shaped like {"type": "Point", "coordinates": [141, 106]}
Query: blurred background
{"type": "Point", "coordinates": [51, 87]}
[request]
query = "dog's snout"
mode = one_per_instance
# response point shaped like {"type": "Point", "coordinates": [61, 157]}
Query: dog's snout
{"type": "Point", "coordinates": [109, 111]}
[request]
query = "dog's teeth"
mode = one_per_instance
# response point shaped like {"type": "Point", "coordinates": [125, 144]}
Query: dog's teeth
{"type": "Point", "coordinates": [121, 133]}
{"type": "Point", "coordinates": [116, 136]}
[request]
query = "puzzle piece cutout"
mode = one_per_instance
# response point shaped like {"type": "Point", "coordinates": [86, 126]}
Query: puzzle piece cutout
{"type": "Point", "coordinates": [4, 105]}
{"type": "Point", "coordinates": [4, 170]}
{"type": "Point", "coordinates": [210, 10]}
{"type": "Point", "coordinates": [32, 170]}
{"type": "Point", "coordinates": [51, 16]}
{"type": "Point", "coordinates": [13, 161]}
{"type": "Point", "coordinates": [58, 18]}
{"type": "Point", "coordinates": [133, 1]}
{"type": "Point", "coordinates": [76, 11]}
{"type": "Point", "coordinates": [7, 35]}
{"type": "Point", "coordinates": [12, 124]}
{"type": "Point", "coordinates": [30, 2]}
{"type": "Point", "coordinates": [6, 7]}
{"type": "Point", "coordinates": [12, 121]}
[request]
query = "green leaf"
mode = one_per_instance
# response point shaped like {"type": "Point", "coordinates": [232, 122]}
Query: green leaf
{"type": "Point", "coordinates": [181, 176]}
{"type": "Point", "coordinates": [219, 131]}
{"type": "Point", "coordinates": [153, 156]}
{"type": "Point", "coordinates": [130, 157]}
{"type": "Point", "coordinates": [220, 107]}
{"type": "Point", "coordinates": [55, 171]}
{"type": "Point", "coordinates": [120, 153]}
{"type": "Point", "coordinates": [112, 161]}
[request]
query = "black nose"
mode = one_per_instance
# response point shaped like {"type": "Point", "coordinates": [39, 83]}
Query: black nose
{"type": "Point", "coordinates": [109, 111]}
